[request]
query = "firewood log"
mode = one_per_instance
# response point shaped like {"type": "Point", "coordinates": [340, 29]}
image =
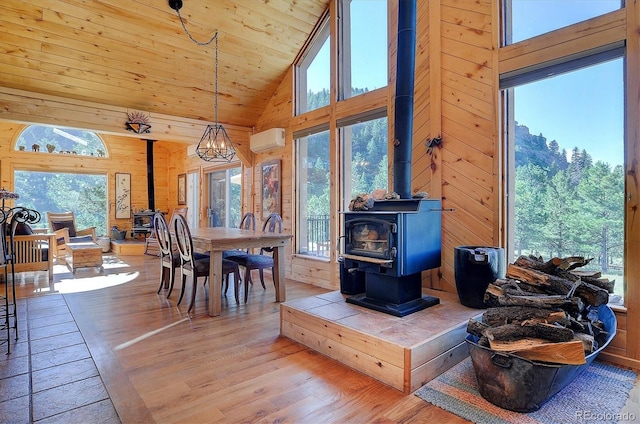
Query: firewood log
{"type": "Point", "coordinates": [570, 263]}
{"type": "Point", "coordinates": [494, 296]}
{"type": "Point", "coordinates": [511, 286]}
{"type": "Point", "coordinates": [532, 262]}
{"type": "Point", "coordinates": [589, 293]}
{"type": "Point", "coordinates": [509, 314]}
{"type": "Point", "coordinates": [549, 332]}
{"type": "Point", "coordinates": [476, 327]}
{"type": "Point", "coordinates": [569, 353]}
{"type": "Point", "coordinates": [588, 342]}
{"type": "Point", "coordinates": [603, 283]}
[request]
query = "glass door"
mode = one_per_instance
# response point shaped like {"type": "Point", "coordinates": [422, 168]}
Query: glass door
{"type": "Point", "coordinates": [225, 198]}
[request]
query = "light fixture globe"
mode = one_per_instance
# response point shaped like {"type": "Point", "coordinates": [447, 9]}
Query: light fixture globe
{"type": "Point", "coordinates": [215, 145]}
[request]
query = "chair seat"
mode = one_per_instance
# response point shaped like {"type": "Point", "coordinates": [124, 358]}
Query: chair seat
{"type": "Point", "coordinates": [234, 254]}
{"type": "Point", "coordinates": [202, 265]}
{"type": "Point", "coordinates": [253, 261]}
{"type": "Point", "coordinates": [80, 239]}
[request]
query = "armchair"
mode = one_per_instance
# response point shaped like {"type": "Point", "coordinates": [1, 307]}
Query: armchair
{"type": "Point", "coordinates": [63, 225]}
{"type": "Point", "coordinates": [31, 247]}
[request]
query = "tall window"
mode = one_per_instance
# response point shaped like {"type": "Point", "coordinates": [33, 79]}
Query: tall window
{"type": "Point", "coordinates": [529, 18]}
{"type": "Point", "coordinates": [364, 158]}
{"type": "Point", "coordinates": [364, 48]}
{"type": "Point", "coordinates": [313, 201]}
{"type": "Point", "coordinates": [566, 166]}
{"type": "Point", "coordinates": [225, 198]}
{"type": "Point", "coordinates": [313, 73]}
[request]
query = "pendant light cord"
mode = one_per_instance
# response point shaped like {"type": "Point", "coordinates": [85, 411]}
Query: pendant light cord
{"type": "Point", "coordinates": [200, 43]}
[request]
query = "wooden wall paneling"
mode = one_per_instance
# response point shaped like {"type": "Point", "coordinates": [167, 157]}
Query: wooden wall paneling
{"type": "Point", "coordinates": [632, 185]}
{"type": "Point", "coordinates": [468, 127]}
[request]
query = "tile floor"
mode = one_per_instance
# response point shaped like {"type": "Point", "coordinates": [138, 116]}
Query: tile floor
{"type": "Point", "coordinates": [50, 377]}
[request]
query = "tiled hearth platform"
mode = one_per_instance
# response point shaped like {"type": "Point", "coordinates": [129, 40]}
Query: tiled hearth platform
{"type": "Point", "coordinates": [403, 352]}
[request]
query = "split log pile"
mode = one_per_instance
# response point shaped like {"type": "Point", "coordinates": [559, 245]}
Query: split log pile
{"type": "Point", "coordinates": [544, 311]}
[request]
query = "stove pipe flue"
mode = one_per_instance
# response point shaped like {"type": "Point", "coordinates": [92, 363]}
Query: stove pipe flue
{"type": "Point", "coordinates": [403, 117]}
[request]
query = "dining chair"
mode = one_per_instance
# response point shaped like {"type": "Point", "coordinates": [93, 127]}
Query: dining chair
{"type": "Point", "coordinates": [168, 251]}
{"type": "Point", "coordinates": [194, 268]}
{"type": "Point", "coordinates": [259, 261]}
{"type": "Point", "coordinates": [169, 260]}
{"type": "Point", "coordinates": [151, 242]}
{"type": "Point", "coordinates": [248, 222]}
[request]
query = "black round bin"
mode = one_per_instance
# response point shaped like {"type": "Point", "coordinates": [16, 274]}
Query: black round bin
{"type": "Point", "coordinates": [475, 268]}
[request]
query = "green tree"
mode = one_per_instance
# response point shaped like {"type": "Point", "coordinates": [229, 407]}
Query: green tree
{"type": "Point", "coordinates": [529, 213]}
{"type": "Point", "coordinates": [601, 192]}
{"type": "Point", "coordinates": [559, 230]}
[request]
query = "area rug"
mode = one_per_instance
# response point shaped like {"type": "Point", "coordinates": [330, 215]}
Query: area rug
{"type": "Point", "coordinates": [595, 396]}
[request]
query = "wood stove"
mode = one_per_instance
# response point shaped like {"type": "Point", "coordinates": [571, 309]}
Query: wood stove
{"type": "Point", "coordinates": [388, 247]}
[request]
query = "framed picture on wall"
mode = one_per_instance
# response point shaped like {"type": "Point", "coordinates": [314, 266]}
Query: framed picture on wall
{"type": "Point", "coordinates": [123, 196]}
{"type": "Point", "coordinates": [271, 201]}
{"type": "Point", "coordinates": [182, 189]}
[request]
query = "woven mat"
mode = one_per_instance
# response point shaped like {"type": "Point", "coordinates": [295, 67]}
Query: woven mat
{"type": "Point", "coordinates": [597, 395]}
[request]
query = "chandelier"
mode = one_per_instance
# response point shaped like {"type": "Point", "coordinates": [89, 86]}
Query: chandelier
{"type": "Point", "coordinates": [215, 144]}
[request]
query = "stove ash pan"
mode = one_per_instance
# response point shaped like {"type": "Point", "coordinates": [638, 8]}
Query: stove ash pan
{"type": "Point", "coordinates": [396, 237]}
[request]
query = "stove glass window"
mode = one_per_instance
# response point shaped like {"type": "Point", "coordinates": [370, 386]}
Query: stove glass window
{"type": "Point", "coordinates": [372, 238]}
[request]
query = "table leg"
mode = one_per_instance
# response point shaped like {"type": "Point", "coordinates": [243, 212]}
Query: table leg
{"type": "Point", "coordinates": [215, 283]}
{"type": "Point", "coordinates": [278, 273]}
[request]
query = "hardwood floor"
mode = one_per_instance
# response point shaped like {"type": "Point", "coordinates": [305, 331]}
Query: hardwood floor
{"type": "Point", "coordinates": [160, 365]}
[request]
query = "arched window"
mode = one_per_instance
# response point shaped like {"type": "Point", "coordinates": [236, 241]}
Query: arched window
{"type": "Point", "coordinates": [56, 140]}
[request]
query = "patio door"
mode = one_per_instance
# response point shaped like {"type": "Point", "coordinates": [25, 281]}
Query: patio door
{"type": "Point", "coordinates": [193, 200]}
{"type": "Point", "coordinates": [225, 199]}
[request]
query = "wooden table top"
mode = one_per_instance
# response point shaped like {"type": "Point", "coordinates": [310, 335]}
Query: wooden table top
{"type": "Point", "coordinates": [224, 238]}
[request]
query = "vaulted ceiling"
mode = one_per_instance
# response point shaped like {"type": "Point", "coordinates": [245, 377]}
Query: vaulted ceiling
{"type": "Point", "coordinates": [135, 53]}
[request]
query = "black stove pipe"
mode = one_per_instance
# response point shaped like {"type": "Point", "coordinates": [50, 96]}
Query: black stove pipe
{"type": "Point", "coordinates": [150, 177]}
{"type": "Point", "coordinates": [403, 117]}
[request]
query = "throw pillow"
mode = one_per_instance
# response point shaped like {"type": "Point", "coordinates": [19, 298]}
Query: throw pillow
{"type": "Point", "coordinates": [23, 229]}
{"type": "Point", "coordinates": [58, 225]}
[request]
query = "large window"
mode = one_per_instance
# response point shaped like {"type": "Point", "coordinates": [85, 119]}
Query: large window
{"type": "Point", "coordinates": [529, 18]}
{"type": "Point", "coordinates": [313, 73]}
{"type": "Point", "coordinates": [313, 185]}
{"type": "Point", "coordinates": [364, 48]}
{"type": "Point", "coordinates": [84, 194]}
{"type": "Point", "coordinates": [566, 167]}
{"type": "Point", "coordinates": [364, 158]}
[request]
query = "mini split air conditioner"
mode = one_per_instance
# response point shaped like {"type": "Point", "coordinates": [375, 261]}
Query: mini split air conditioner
{"type": "Point", "coordinates": [267, 140]}
{"type": "Point", "coordinates": [191, 150]}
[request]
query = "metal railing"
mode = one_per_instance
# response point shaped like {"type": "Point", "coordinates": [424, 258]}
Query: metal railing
{"type": "Point", "coordinates": [318, 236]}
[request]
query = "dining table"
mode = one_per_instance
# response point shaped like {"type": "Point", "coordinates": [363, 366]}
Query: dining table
{"type": "Point", "coordinates": [218, 239]}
